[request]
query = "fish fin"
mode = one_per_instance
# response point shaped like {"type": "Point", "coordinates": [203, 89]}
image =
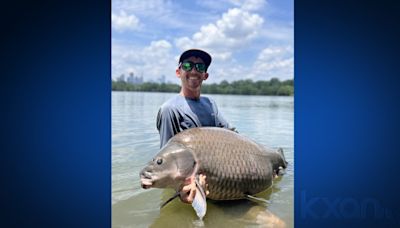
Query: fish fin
{"type": "Point", "coordinates": [281, 171]}
{"type": "Point", "coordinates": [257, 199]}
{"type": "Point", "coordinates": [169, 200]}
{"type": "Point", "coordinates": [280, 150]}
{"type": "Point", "coordinates": [199, 202]}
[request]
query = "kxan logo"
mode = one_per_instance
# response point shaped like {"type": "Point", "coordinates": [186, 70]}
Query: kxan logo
{"type": "Point", "coordinates": [342, 208]}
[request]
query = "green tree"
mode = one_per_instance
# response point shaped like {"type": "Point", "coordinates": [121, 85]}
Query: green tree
{"type": "Point", "coordinates": [245, 87]}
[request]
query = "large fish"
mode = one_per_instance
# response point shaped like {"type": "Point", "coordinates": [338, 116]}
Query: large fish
{"type": "Point", "coordinates": [235, 166]}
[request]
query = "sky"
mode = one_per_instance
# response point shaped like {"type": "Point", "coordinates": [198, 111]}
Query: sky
{"type": "Point", "coordinates": [247, 39]}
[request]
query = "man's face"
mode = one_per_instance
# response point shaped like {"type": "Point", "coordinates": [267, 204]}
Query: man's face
{"type": "Point", "coordinates": [191, 79]}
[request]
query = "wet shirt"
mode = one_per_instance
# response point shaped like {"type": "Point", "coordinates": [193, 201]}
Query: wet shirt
{"type": "Point", "coordinates": [180, 113]}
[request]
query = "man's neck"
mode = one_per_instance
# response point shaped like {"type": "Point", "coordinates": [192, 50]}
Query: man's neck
{"type": "Point", "coordinates": [190, 94]}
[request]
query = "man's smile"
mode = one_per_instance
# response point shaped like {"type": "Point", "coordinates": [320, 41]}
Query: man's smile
{"type": "Point", "coordinates": [193, 78]}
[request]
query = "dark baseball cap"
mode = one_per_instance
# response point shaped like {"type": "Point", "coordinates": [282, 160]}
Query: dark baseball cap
{"type": "Point", "coordinates": [196, 53]}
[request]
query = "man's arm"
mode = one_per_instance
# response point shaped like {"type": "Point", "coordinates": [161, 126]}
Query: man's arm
{"type": "Point", "coordinates": [166, 125]}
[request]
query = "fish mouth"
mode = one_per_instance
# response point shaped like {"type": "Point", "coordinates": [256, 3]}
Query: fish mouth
{"type": "Point", "coordinates": [146, 180]}
{"type": "Point", "coordinates": [146, 183]}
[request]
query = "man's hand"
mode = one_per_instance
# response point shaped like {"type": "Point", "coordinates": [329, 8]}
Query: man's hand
{"type": "Point", "coordinates": [189, 191]}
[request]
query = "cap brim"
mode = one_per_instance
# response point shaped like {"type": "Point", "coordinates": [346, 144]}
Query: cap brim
{"type": "Point", "coordinates": [196, 53]}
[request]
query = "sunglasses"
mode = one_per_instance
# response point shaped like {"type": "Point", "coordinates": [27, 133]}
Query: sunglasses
{"type": "Point", "coordinates": [188, 66]}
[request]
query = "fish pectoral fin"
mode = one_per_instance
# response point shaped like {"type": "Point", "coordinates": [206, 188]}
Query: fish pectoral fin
{"type": "Point", "coordinates": [257, 199]}
{"type": "Point", "coordinates": [199, 203]}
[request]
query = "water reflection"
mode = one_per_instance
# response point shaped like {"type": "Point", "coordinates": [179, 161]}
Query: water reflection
{"type": "Point", "coordinates": [219, 213]}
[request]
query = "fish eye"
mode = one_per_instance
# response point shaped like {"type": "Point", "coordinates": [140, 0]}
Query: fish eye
{"type": "Point", "coordinates": [159, 161]}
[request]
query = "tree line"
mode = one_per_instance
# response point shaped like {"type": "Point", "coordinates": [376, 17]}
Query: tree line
{"type": "Point", "coordinates": [273, 87]}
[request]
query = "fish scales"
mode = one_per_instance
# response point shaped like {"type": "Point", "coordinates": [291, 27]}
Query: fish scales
{"type": "Point", "coordinates": [234, 165]}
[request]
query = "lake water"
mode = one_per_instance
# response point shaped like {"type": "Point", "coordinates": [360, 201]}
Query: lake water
{"type": "Point", "coordinates": [265, 119]}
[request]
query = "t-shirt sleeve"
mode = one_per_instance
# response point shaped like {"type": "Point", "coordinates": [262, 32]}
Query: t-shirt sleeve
{"type": "Point", "coordinates": [166, 125]}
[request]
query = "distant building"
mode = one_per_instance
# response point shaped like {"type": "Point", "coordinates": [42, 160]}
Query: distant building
{"type": "Point", "coordinates": [162, 79]}
{"type": "Point", "coordinates": [132, 79]}
{"type": "Point", "coordinates": [121, 78]}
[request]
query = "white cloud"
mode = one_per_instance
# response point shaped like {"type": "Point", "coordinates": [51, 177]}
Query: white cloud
{"type": "Point", "coordinates": [239, 24]}
{"type": "Point", "coordinates": [233, 31]}
{"type": "Point", "coordinates": [278, 32]}
{"type": "Point", "coordinates": [253, 4]}
{"type": "Point", "coordinates": [274, 61]}
{"type": "Point", "coordinates": [249, 5]}
{"type": "Point", "coordinates": [154, 7]}
{"type": "Point", "coordinates": [157, 51]}
{"type": "Point", "coordinates": [271, 62]}
{"type": "Point", "coordinates": [123, 22]}
{"type": "Point", "coordinates": [227, 71]}
{"type": "Point", "coordinates": [151, 61]}
{"type": "Point", "coordinates": [161, 15]}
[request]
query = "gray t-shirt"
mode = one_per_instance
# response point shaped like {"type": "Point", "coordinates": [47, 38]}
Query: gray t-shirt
{"type": "Point", "coordinates": [180, 113]}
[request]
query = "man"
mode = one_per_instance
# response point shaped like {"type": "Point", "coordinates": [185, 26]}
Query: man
{"type": "Point", "coordinates": [189, 109]}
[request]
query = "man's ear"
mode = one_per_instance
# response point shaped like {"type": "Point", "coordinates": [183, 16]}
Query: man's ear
{"type": "Point", "coordinates": [178, 73]}
{"type": "Point", "coordinates": [205, 76]}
